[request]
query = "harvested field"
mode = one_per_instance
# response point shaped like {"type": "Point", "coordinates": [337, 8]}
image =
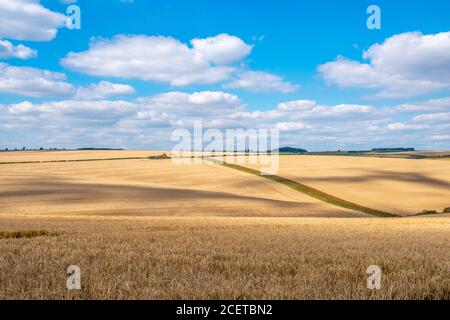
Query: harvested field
{"type": "Point", "coordinates": [149, 229]}
{"type": "Point", "coordinates": [150, 187]}
{"type": "Point", "coordinates": [35, 156]}
{"type": "Point", "coordinates": [399, 186]}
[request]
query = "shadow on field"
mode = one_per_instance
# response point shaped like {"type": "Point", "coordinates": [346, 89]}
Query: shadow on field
{"type": "Point", "coordinates": [60, 190]}
{"type": "Point", "coordinates": [47, 195]}
{"type": "Point", "coordinates": [376, 175]}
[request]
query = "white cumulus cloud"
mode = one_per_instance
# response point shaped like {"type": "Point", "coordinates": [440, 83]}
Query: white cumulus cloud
{"type": "Point", "coordinates": [441, 104]}
{"type": "Point", "coordinates": [433, 117]}
{"type": "Point", "coordinates": [407, 64]}
{"type": "Point", "coordinates": [221, 49]}
{"type": "Point", "coordinates": [103, 90]}
{"type": "Point", "coordinates": [161, 59]}
{"type": "Point", "coordinates": [28, 20]}
{"type": "Point", "coordinates": [405, 126]}
{"type": "Point", "coordinates": [32, 82]}
{"type": "Point", "coordinates": [202, 104]}
{"type": "Point", "coordinates": [259, 81]}
{"type": "Point", "coordinates": [148, 122]}
{"type": "Point", "coordinates": [8, 51]}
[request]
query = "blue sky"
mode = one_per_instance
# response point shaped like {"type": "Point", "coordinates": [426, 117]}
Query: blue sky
{"type": "Point", "coordinates": [265, 56]}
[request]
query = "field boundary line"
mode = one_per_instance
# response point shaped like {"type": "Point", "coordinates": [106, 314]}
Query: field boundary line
{"type": "Point", "coordinates": [309, 191]}
{"type": "Point", "coordinates": [81, 160]}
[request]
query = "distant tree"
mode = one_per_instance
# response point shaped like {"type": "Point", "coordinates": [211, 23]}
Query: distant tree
{"type": "Point", "coordinates": [24, 148]}
{"type": "Point", "coordinates": [291, 150]}
{"type": "Point", "coordinates": [41, 148]}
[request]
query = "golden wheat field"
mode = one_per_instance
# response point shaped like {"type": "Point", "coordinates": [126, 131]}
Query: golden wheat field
{"type": "Point", "coordinates": [149, 229]}
{"type": "Point", "coordinates": [400, 186]}
{"type": "Point", "coordinates": [150, 187]}
{"type": "Point", "coordinates": [226, 258]}
{"type": "Point", "coordinates": [35, 156]}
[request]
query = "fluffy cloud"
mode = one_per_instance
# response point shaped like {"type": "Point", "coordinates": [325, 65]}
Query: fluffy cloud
{"type": "Point", "coordinates": [405, 126]}
{"type": "Point", "coordinates": [32, 82]}
{"type": "Point", "coordinates": [39, 83]}
{"type": "Point", "coordinates": [429, 105]}
{"type": "Point", "coordinates": [182, 108]}
{"type": "Point", "coordinates": [28, 20]}
{"type": "Point", "coordinates": [258, 81]}
{"type": "Point", "coordinates": [148, 122]}
{"type": "Point", "coordinates": [221, 49]}
{"type": "Point", "coordinates": [8, 50]}
{"type": "Point", "coordinates": [162, 59]}
{"type": "Point", "coordinates": [205, 101]}
{"type": "Point", "coordinates": [112, 123]}
{"type": "Point", "coordinates": [102, 90]}
{"type": "Point", "coordinates": [308, 109]}
{"type": "Point", "coordinates": [290, 126]}
{"type": "Point", "coordinates": [74, 110]}
{"type": "Point", "coordinates": [167, 60]}
{"type": "Point", "coordinates": [433, 117]}
{"type": "Point", "coordinates": [297, 105]}
{"type": "Point", "coordinates": [404, 65]}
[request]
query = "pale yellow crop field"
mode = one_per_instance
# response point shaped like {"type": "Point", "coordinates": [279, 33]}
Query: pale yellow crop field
{"type": "Point", "coordinates": [441, 153]}
{"type": "Point", "coordinates": [26, 156]}
{"type": "Point", "coordinates": [150, 229]}
{"type": "Point", "coordinates": [227, 258]}
{"type": "Point", "coordinates": [149, 187]}
{"type": "Point", "coordinates": [399, 186]}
